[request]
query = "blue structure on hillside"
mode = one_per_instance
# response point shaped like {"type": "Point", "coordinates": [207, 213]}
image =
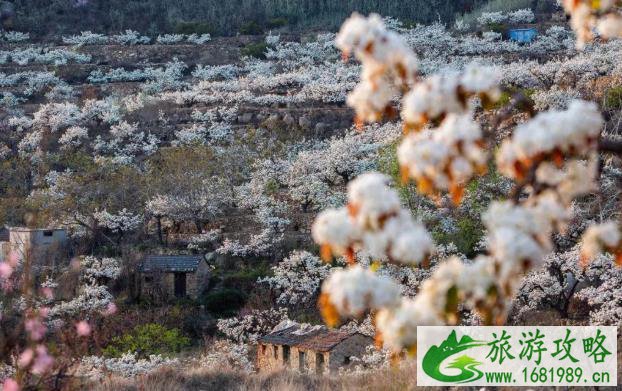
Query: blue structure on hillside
{"type": "Point", "coordinates": [523, 35]}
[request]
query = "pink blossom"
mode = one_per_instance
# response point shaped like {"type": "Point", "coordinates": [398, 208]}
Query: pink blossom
{"type": "Point", "coordinates": [13, 258]}
{"type": "Point", "coordinates": [83, 328]}
{"type": "Point", "coordinates": [6, 270]}
{"type": "Point", "coordinates": [43, 362]}
{"type": "Point", "coordinates": [48, 293]}
{"type": "Point", "coordinates": [111, 309]}
{"type": "Point", "coordinates": [10, 385]}
{"type": "Point", "coordinates": [25, 358]}
{"type": "Point", "coordinates": [36, 329]}
{"type": "Point", "coordinates": [43, 312]}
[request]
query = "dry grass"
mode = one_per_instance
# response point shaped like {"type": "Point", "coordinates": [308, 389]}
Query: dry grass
{"type": "Point", "coordinates": [205, 379]}
{"type": "Point", "coordinates": [202, 379]}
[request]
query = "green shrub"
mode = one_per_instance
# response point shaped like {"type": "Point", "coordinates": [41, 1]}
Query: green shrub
{"type": "Point", "coordinates": [387, 164]}
{"type": "Point", "coordinates": [498, 28]}
{"type": "Point", "coordinates": [613, 98]}
{"type": "Point", "coordinates": [251, 28]}
{"type": "Point", "coordinates": [246, 278]}
{"type": "Point", "coordinates": [193, 28]}
{"type": "Point", "coordinates": [272, 186]}
{"type": "Point", "coordinates": [224, 302]}
{"type": "Point", "coordinates": [468, 233]}
{"type": "Point", "coordinates": [506, 96]}
{"type": "Point", "coordinates": [257, 50]}
{"type": "Point", "coordinates": [276, 23]}
{"type": "Point", "coordinates": [148, 339]}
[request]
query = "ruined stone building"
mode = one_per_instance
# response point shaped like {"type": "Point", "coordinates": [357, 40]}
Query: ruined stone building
{"type": "Point", "coordinates": [43, 246]}
{"type": "Point", "coordinates": [166, 276]}
{"type": "Point", "coordinates": [309, 349]}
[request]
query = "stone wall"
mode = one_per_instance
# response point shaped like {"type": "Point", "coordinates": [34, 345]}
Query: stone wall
{"type": "Point", "coordinates": [353, 346]}
{"type": "Point", "coordinates": [272, 357]}
{"type": "Point", "coordinates": [162, 285]}
{"type": "Point", "coordinates": [5, 250]}
{"type": "Point", "coordinates": [43, 247]}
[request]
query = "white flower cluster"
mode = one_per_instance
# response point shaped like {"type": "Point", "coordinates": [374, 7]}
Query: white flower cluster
{"type": "Point", "coordinates": [216, 72]}
{"type": "Point", "coordinates": [314, 176]}
{"type": "Point", "coordinates": [56, 116]}
{"type": "Point", "coordinates": [384, 55]}
{"type": "Point", "coordinates": [524, 15]}
{"type": "Point", "coordinates": [35, 82]}
{"type": "Point", "coordinates": [297, 278]}
{"type": "Point", "coordinates": [588, 16]}
{"type": "Point", "coordinates": [437, 301]}
{"type": "Point", "coordinates": [445, 158]}
{"type": "Point", "coordinates": [171, 39]}
{"type": "Point", "coordinates": [156, 79]}
{"type": "Point", "coordinates": [600, 238]}
{"type": "Point", "coordinates": [250, 327]}
{"type": "Point", "coordinates": [372, 360]}
{"type": "Point", "coordinates": [440, 95]}
{"type": "Point", "coordinates": [605, 299]}
{"type": "Point", "coordinates": [259, 244]}
{"type": "Point", "coordinates": [16, 36]}
{"type": "Point", "coordinates": [354, 291]}
{"type": "Point", "coordinates": [487, 18]}
{"type": "Point", "coordinates": [518, 237]}
{"type": "Point", "coordinates": [575, 179]}
{"type": "Point", "coordinates": [128, 365]}
{"type": "Point", "coordinates": [224, 355]}
{"type": "Point", "coordinates": [203, 202]}
{"type": "Point", "coordinates": [43, 56]}
{"type": "Point", "coordinates": [86, 38]}
{"type": "Point", "coordinates": [130, 37]}
{"type": "Point", "coordinates": [374, 221]}
{"type": "Point", "coordinates": [94, 268]}
{"type": "Point", "coordinates": [91, 299]}
{"type": "Point", "coordinates": [519, 233]}
{"type": "Point", "coordinates": [551, 135]}
{"type": "Point", "coordinates": [73, 137]}
{"type": "Point", "coordinates": [122, 221]}
{"type": "Point", "coordinates": [124, 145]}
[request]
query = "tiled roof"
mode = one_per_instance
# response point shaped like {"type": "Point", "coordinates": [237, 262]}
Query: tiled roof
{"type": "Point", "coordinates": [326, 340]}
{"type": "Point", "coordinates": [171, 263]}
{"type": "Point", "coordinates": [318, 339]}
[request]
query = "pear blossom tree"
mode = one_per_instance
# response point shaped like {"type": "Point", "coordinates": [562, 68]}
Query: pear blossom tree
{"type": "Point", "coordinates": [248, 328]}
{"type": "Point", "coordinates": [297, 278]}
{"type": "Point", "coordinates": [551, 158]}
{"type": "Point", "coordinates": [118, 223]}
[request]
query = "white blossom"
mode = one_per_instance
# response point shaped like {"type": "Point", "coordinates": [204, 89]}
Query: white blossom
{"type": "Point", "coordinates": [355, 290]}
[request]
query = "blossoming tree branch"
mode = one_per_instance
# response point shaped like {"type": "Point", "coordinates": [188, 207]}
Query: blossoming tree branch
{"type": "Point", "coordinates": [553, 158]}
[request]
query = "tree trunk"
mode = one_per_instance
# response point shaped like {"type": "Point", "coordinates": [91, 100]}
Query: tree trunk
{"type": "Point", "coordinates": [159, 224]}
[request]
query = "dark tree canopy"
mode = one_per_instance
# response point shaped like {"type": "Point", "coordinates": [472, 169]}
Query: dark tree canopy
{"type": "Point", "coordinates": [215, 16]}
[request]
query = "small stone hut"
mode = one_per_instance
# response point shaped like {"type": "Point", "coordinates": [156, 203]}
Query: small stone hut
{"type": "Point", "coordinates": [310, 349]}
{"type": "Point", "coordinates": [43, 246]}
{"type": "Point", "coordinates": [164, 276]}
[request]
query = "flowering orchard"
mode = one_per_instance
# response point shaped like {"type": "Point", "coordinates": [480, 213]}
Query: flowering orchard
{"type": "Point", "coordinates": [552, 159]}
{"type": "Point", "coordinates": [508, 203]}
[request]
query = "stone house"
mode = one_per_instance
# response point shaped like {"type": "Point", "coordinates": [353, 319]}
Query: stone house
{"type": "Point", "coordinates": [43, 246]}
{"type": "Point", "coordinates": [310, 349]}
{"type": "Point", "coordinates": [164, 276]}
